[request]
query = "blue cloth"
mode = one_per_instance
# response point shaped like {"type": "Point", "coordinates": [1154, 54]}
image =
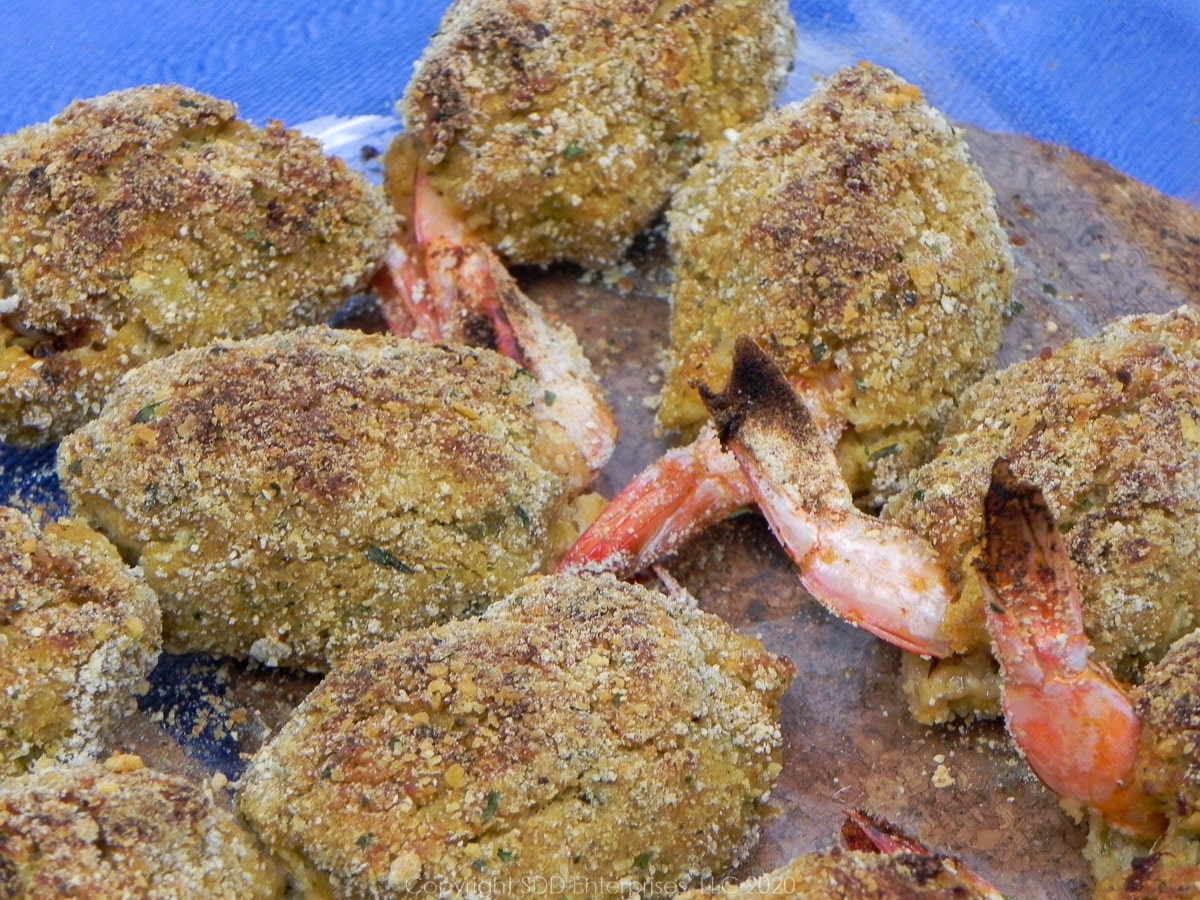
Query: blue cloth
{"type": "Point", "coordinates": [1113, 79]}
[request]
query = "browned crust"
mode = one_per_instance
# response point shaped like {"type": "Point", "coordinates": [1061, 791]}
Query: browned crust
{"type": "Point", "coordinates": [78, 635]}
{"type": "Point", "coordinates": [151, 219]}
{"type": "Point", "coordinates": [878, 862]}
{"type": "Point", "coordinates": [94, 831]}
{"type": "Point", "coordinates": [1107, 427]}
{"type": "Point", "coordinates": [583, 728]}
{"type": "Point", "coordinates": [562, 125]}
{"type": "Point", "coordinates": [310, 490]}
{"type": "Point", "coordinates": [854, 238]}
{"type": "Point", "coordinates": [1168, 705]}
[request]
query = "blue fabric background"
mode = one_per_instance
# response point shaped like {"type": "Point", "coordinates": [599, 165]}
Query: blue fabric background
{"type": "Point", "coordinates": [1111, 78]}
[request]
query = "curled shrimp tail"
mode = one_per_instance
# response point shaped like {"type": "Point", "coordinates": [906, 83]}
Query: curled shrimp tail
{"type": "Point", "coordinates": [871, 573]}
{"type": "Point", "coordinates": [1073, 723]}
{"type": "Point", "coordinates": [440, 284]}
{"type": "Point", "coordinates": [685, 491]}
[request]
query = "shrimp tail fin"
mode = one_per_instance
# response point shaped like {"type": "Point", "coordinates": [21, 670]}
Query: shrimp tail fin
{"type": "Point", "coordinates": [866, 833]}
{"type": "Point", "coordinates": [869, 572]}
{"type": "Point", "coordinates": [660, 509]}
{"type": "Point", "coordinates": [1073, 723]}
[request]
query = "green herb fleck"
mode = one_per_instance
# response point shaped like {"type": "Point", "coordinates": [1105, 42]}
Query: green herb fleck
{"type": "Point", "coordinates": [492, 806]}
{"type": "Point", "coordinates": [642, 860]}
{"type": "Point", "coordinates": [146, 413]}
{"type": "Point", "coordinates": [382, 557]}
{"type": "Point", "coordinates": [478, 864]}
{"type": "Point", "coordinates": [523, 517]}
{"type": "Point", "coordinates": [574, 151]}
{"type": "Point", "coordinates": [550, 397]}
{"type": "Point", "coordinates": [860, 385]}
{"type": "Point", "coordinates": [75, 467]}
{"type": "Point", "coordinates": [506, 855]}
{"type": "Point", "coordinates": [1048, 288]}
{"type": "Point", "coordinates": [1015, 308]}
{"type": "Point", "coordinates": [364, 841]}
{"type": "Point", "coordinates": [884, 452]}
{"type": "Point", "coordinates": [820, 350]}
{"type": "Point", "coordinates": [919, 495]}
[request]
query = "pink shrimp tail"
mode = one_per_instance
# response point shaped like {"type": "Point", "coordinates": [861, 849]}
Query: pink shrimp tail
{"type": "Point", "coordinates": [1074, 724]}
{"type": "Point", "coordinates": [871, 573]}
{"type": "Point", "coordinates": [437, 283]}
{"type": "Point", "coordinates": [864, 832]}
{"type": "Point", "coordinates": [440, 284]}
{"type": "Point", "coordinates": [684, 492]}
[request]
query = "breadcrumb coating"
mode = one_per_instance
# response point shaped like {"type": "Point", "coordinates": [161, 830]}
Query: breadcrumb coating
{"type": "Point", "coordinates": [583, 732]}
{"type": "Point", "coordinates": [151, 219]}
{"type": "Point", "coordinates": [122, 830]}
{"type": "Point", "coordinates": [293, 495]}
{"type": "Point", "coordinates": [1109, 428]}
{"type": "Point", "coordinates": [851, 236]}
{"type": "Point", "coordinates": [561, 126]}
{"type": "Point", "coordinates": [1168, 706]}
{"type": "Point", "coordinates": [79, 632]}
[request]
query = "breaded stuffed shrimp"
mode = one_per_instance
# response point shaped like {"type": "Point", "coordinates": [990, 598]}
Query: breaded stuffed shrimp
{"type": "Point", "coordinates": [1128, 754]}
{"type": "Point", "coordinates": [295, 495]}
{"type": "Point", "coordinates": [151, 219]}
{"type": "Point", "coordinates": [1106, 426]}
{"type": "Point", "coordinates": [852, 236]}
{"type": "Point", "coordinates": [558, 128]}
{"type": "Point", "coordinates": [580, 732]}
{"type": "Point", "coordinates": [79, 633]}
{"type": "Point", "coordinates": [123, 830]}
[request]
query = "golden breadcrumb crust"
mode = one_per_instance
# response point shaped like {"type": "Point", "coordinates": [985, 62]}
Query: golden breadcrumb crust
{"type": "Point", "coordinates": [561, 126]}
{"type": "Point", "coordinates": [852, 236]}
{"type": "Point", "coordinates": [1168, 705]}
{"type": "Point", "coordinates": [581, 732]}
{"type": "Point", "coordinates": [293, 495]}
{"type": "Point", "coordinates": [1168, 871]}
{"type": "Point", "coordinates": [151, 219]}
{"type": "Point", "coordinates": [1109, 428]}
{"type": "Point", "coordinates": [121, 830]}
{"type": "Point", "coordinates": [854, 875]}
{"type": "Point", "coordinates": [78, 634]}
